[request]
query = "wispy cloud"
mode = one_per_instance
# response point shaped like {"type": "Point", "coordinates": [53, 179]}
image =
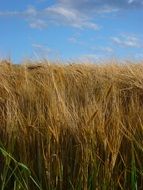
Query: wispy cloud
{"type": "Point", "coordinates": [75, 13]}
{"type": "Point", "coordinates": [41, 48]}
{"type": "Point", "coordinates": [139, 56]}
{"type": "Point", "coordinates": [75, 39]}
{"type": "Point", "coordinates": [41, 1]}
{"type": "Point", "coordinates": [130, 41]}
{"type": "Point", "coordinates": [130, 1]}
{"type": "Point", "coordinates": [105, 49]}
{"type": "Point", "coordinates": [38, 23]}
{"type": "Point", "coordinates": [43, 51]}
{"type": "Point", "coordinates": [8, 13]}
{"type": "Point", "coordinates": [29, 12]}
{"type": "Point", "coordinates": [90, 57]}
{"type": "Point", "coordinates": [94, 57]}
{"type": "Point", "coordinates": [69, 16]}
{"type": "Point", "coordinates": [55, 14]}
{"type": "Point", "coordinates": [100, 4]}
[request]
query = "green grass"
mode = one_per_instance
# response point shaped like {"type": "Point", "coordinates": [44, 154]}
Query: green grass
{"type": "Point", "coordinates": [16, 172]}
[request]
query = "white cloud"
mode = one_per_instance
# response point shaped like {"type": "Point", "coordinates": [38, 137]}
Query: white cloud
{"type": "Point", "coordinates": [71, 17]}
{"type": "Point", "coordinates": [41, 47]}
{"type": "Point", "coordinates": [41, 1]}
{"type": "Point", "coordinates": [106, 49]}
{"type": "Point", "coordinates": [75, 13]}
{"type": "Point", "coordinates": [139, 55]}
{"type": "Point", "coordinates": [55, 14]}
{"type": "Point", "coordinates": [43, 51]}
{"type": "Point", "coordinates": [73, 39]}
{"type": "Point", "coordinates": [130, 1]}
{"type": "Point", "coordinates": [38, 23]}
{"type": "Point", "coordinates": [62, 11]}
{"type": "Point", "coordinates": [40, 50]}
{"type": "Point", "coordinates": [31, 11]}
{"type": "Point", "coordinates": [78, 39]}
{"type": "Point", "coordinates": [94, 57]}
{"type": "Point", "coordinates": [90, 6]}
{"type": "Point", "coordinates": [8, 13]}
{"type": "Point", "coordinates": [127, 41]}
{"type": "Point", "coordinates": [90, 57]}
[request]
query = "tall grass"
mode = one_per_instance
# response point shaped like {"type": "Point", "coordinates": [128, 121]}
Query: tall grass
{"type": "Point", "coordinates": [71, 127]}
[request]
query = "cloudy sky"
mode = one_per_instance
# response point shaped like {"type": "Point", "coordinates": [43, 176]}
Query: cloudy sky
{"type": "Point", "coordinates": [71, 29]}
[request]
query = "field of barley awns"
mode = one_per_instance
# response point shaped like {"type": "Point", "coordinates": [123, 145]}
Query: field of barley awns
{"type": "Point", "coordinates": [71, 126]}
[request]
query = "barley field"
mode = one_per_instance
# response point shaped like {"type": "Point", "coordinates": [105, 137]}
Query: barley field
{"type": "Point", "coordinates": [71, 126]}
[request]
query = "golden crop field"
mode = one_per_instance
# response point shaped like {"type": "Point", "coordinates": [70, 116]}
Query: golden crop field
{"type": "Point", "coordinates": [71, 126]}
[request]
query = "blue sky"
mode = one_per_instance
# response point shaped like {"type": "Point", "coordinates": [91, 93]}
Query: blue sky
{"type": "Point", "coordinates": [71, 29]}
